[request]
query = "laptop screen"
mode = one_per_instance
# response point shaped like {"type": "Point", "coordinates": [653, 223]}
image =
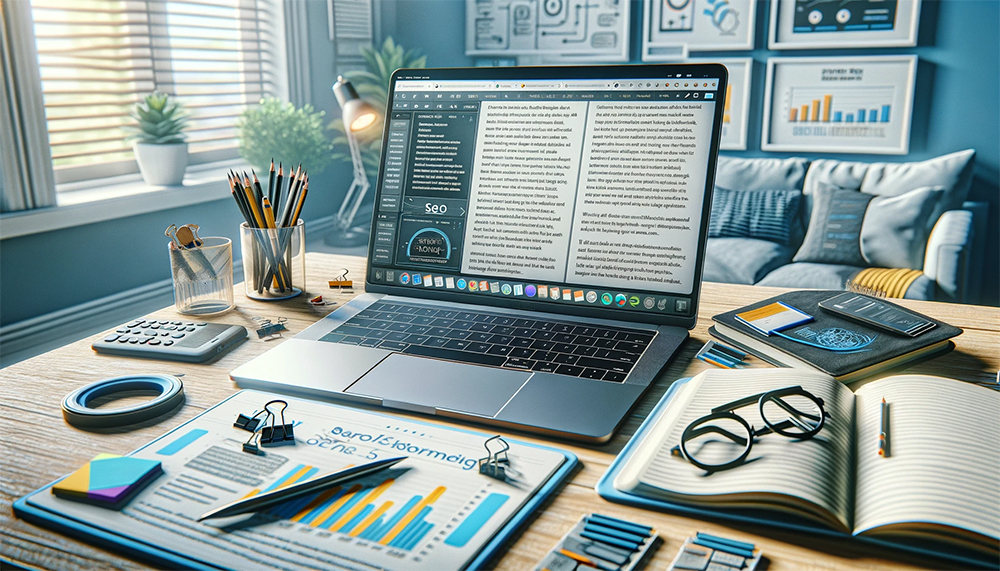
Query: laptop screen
{"type": "Point", "coordinates": [564, 186]}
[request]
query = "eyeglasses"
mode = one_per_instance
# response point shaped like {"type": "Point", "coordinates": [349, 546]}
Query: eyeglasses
{"type": "Point", "coordinates": [792, 412]}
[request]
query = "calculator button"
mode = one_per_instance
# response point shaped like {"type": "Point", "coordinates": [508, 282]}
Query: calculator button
{"type": "Point", "coordinates": [189, 329]}
{"type": "Point", "coordinates": [123, 339]}
{"type": "Point", "coordinates": [133, 323]}
{"type": "Point", "coordinates": [111, 338]}
{"type": "Point", "coordinates": [175, 322]}
{"type": "Point", "coordinates": [177, 335]}
{"type": "Point", "coordinates": [154, 342]}
{"type": "Point", "coordinates": [150, 333]}
{"type": "Point", "coordinates": [121, 330]}
{"type": "Point", "coordinates": [167, 342]}
{"type": "Point", "coordinates": [154, 326]}
{"type": "Point", "coordinates": [164, 333]}
{"type": "Point", "coordinates": [202, 324]}
{"type": "Point", "coordinates": [144, 340]}
{"type": "Point", "coordinates": [133, 340]}
{"type": "Point", "coordinates": [189, 324]}
{"type": "Point", "coordinates": [168, 327]}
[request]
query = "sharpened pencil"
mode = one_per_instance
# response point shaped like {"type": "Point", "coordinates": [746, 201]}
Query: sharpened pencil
{"type": "Point", "coordinates": [270, 182]}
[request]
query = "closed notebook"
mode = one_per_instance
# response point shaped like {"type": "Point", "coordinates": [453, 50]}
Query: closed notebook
{"type": "Point", "coordinates": [886, 351]}
{"type": "Point", "coordinates": [938, 485]}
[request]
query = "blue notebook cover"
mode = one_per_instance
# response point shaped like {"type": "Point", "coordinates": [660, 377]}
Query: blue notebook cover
{"type": "Point", "coordinates": [169, 559]}
{"type": "Point", "coordinates": [606, 489]}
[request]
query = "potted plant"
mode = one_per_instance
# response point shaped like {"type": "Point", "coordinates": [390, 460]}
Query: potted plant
{"type": "Point", "coordinates": [158, 140]}
{"type": "Point", "coordinates": [278, 131]}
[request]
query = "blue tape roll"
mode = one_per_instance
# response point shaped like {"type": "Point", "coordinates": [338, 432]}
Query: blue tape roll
{"type": "Point", "coordinates": [77, 411]}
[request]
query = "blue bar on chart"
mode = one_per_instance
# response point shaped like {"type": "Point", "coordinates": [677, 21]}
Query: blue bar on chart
{"type": "Point", "coordinates": [315, 512]}
{"type": "Point", "coordinates": [849, 118]}
{"type": "Point", "coordinates": [357, 519]}
{"type": "Point", "coordinates": [418, 535]}
{"type": "Point", "coordinates": [476, 520]}
{"type": "Point", "coordinates": [861, 115]}
{"type": "Point", "coordinates": [377, 532]}
{"type": "Point", "coordinates": [182, 442]}
{"type": "Point", "coordinates": [335, 516]}
{"type": "Point", "coordinates": [885, 113]}
{"type": "Point", "coordinates": [837, 115]}
{"type": "Point", "coordinates": [873, 116]}
{"type": "Point", "coordinates": [404, 536]}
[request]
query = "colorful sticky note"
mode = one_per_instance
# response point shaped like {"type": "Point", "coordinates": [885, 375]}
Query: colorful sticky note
{"type": "Point", "coordinates": [108, 480]}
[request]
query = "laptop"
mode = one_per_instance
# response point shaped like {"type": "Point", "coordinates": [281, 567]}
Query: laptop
{"type": "Point", "coordinates": [536, 248]}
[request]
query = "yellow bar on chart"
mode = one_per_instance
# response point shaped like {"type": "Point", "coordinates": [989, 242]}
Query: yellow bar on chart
{"type": "Point", "coordinates": [805, 113]}
{"type": "Point", "coordinates": [794, 116]}
{"type": "Point", "coordinates": [815, 111]}
{"type": "Point", "coordinates": [328, 512]}
{"type": "Point", "coordinates": [827, 100]}
{"type": "Point", "coordinates": [372, 518]}
{"type": "Point", "coordinates": [413, 513]}
{"type": "Point", "coordinates": [316, 502]}
{"type": "Point", "coordinates": [726, 109]}
{"type": "Point", "coordinates": [361, 505]}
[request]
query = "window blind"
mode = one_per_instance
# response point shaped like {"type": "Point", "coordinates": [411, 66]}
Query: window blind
{"type": "Point", "coordinates": [97, 58]}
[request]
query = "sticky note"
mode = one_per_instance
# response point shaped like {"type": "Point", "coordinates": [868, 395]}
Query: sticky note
{"type": "Point", "coordinates": [774, 317]}
{"type": "Point", "coordinates": [108, 480]}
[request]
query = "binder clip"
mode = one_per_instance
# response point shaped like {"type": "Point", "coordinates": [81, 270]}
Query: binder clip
{"type": "Point", "coordinates": [248, 423]}
{"type": "Point", "coordinates": [266, 328]}
{"type": "Point", "coordinates": [496, 465]}
{"type": "Point", "coordinates": [275, 435]}
{"type": "Point", "coordinates": [271, 434]}
{"type": "Point", "coordinates": [341, 281]}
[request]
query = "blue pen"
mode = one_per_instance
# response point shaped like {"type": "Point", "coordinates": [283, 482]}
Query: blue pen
{"type": "Point", "coordinates": [611, 532]}
{"type": "Point", "coordinates": [723, 547]}
{"type": "Point", "coordinates": [732, 542]}
{"type": "Point", "coordinates": [631, 545]}
{"type": "Point", "coordinates": [621, 524]}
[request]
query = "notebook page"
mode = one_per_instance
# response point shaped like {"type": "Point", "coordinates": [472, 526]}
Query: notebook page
{"type": "Point", "coordinates": [943, 464]}
{"type": "Point", "coordinates": [816, 470]}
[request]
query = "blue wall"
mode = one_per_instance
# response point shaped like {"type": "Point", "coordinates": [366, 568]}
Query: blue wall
{"type": "Point", "coordinates": [958, 90]}
{"type": "Point", "coordinates": [955, 107]}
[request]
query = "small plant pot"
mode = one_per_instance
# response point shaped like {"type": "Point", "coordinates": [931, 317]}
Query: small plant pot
{"type": "Point", "coordinates": [162, 165]}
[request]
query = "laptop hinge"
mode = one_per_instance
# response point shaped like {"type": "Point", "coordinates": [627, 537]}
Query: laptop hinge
{"type": "Point", "coordinates": [409, 406]}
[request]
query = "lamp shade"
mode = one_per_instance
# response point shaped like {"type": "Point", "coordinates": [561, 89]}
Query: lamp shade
{"type": "Point", "coordinates": [357, 114]}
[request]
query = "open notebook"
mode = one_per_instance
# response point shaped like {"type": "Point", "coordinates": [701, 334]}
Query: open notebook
{"type": "Point", "coordinates": [939, 483]}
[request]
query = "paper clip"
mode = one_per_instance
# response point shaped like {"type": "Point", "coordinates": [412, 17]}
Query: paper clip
{"type": "Point", "coordinates": [341, 281]}
{"type": "Point", "coordinates": [248, 423]}
{"type": "Point", "coordinates": [188, 237]}
{"type": "Point", "coordinates": [266, 328]}
{"type": "Point", "coordinates": [496, 464]}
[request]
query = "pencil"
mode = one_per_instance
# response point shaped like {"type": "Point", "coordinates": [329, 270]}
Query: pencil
{"type": "Point", "coordinates": [277, 186]}
{"type": "Point", "coordinates": [270, 182]}
{"type": "Point", "coordinates": [883, 434]}
{"type": "Point", "coordinates": [301, 201]}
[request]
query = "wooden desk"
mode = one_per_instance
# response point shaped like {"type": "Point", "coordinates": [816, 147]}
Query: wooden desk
{"type": "Point", "coordinates": [38, 446]}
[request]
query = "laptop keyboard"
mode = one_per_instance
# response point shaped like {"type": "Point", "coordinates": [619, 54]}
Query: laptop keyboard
{"type": "Point", "coordinates": [591, 352]}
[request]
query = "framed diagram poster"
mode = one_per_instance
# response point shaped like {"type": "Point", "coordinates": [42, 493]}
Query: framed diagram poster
{"type": "Point", "coordinates": [839, 104]}
{"type": "Point", "coordinates": [672, 26]}
{"type": "Point", "coordinates": [595, 29]}
{"type": "Point", "coordinates": [735, 116]}
{"type": "Point", "coordinates": [811, 24]}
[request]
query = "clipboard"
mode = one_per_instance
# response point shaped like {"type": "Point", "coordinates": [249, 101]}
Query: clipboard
{"type": "Point", "coordinates": [606, 489]}
{"type": "Point", "coordinates": [482, 549]}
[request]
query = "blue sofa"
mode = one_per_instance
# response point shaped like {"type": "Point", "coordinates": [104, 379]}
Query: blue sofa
{"type": "Point", "coordinates": [911, 215]}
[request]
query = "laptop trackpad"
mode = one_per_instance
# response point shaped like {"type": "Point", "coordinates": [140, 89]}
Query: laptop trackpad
{"type": "Point", "coordinates": [430, 383]}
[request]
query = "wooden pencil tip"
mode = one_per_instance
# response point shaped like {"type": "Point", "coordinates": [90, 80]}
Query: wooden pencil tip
{"type": "Point", "coordinates": [272, 164]}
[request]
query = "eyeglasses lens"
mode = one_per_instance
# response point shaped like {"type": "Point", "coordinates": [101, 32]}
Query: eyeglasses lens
{"type": "Point", "coordinates": [717, 442]}
{"type": "Point", "coordinates": [793, 415]}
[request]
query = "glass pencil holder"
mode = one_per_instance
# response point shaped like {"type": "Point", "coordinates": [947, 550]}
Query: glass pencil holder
{"type": "Point", "coordinates": [203, 276]}
{"type": "Point", "coordinates": [274, 261]}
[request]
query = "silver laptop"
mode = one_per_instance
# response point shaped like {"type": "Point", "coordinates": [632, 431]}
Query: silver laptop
{"type": "Point", "coordinates": [536, 248]}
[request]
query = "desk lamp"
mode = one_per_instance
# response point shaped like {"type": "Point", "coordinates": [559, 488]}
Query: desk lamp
{"type": "Point", "coordinates": [358, 115]}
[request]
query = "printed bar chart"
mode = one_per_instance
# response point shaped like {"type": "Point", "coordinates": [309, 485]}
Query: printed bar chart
{"type": "Point", "coordinates": [823, 111]}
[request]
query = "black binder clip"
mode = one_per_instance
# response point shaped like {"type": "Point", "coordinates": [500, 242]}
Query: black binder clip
{"type": "Point", "coordinates": [496, 464]}
{"type": "Point", "coordinates": [267, 328]}
{"type": "Point", "coordinates": [277, 434]}
{"type": "Point", "coordinates": [248, 423]}
{"type": "Point", "coordinates": [271, 434]}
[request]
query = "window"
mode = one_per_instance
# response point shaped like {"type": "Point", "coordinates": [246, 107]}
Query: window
{"type": "Point", "coordinates": [97, 58]}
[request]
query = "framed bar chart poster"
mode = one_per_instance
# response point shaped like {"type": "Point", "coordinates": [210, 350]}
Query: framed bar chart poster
{"type": "Point", "coordinates": [819, 24]}
{"type": "Point", "coordinates": [839, 104]}
{"type": "Point", "coordinates": [737, 101]}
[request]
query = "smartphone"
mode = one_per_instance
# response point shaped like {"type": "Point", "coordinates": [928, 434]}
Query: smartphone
{"type": "Point", "coordinates": [877, 313]}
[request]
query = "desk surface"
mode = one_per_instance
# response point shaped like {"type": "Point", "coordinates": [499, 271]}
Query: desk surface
{"type": "Point", "coordinates": [38, 446]}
